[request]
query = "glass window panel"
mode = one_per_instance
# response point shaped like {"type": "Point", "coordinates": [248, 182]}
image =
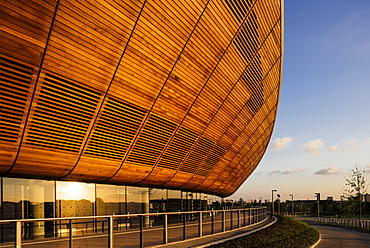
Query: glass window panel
{"type": "Point", "coordinates": [158, 200]}
{"type": "Point", "coordinates": [75, 199]}
{"type": "Point", "coordinates": [110, 199]}
{"type": "Point", "coordinates": [137, 200]}
{"type": "Point", "coordinates": [28, 199]}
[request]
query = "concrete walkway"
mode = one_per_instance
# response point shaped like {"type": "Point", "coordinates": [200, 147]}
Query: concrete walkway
{"type": "Point", "coordinates": [338, 237]}
{"type": "Point", "coordinates": [219, 237]}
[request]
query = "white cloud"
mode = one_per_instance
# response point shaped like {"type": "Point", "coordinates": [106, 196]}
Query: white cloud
{"type": "Point", "coordinates": [279, 144]}
{"type": "Point", "coordinates": [333, 148]}
{"type": "Point", "coordinates": [313, 146]}
{"type": "Point", "coordinates": [327, 171]}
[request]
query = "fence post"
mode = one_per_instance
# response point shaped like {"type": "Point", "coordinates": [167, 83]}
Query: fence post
{"type": "Point", "coordinates": [18, 234]}
{"type": "Point", "coordinates": [250, 216]}
{"type": "Point", "coordinates": [165, 229]}
{"type": "Point", "coordinates": [200, 227]}
{"type": "Point", "coordinates": [223, 221]}
{"type": "Point", "coordinates": [110, 231]}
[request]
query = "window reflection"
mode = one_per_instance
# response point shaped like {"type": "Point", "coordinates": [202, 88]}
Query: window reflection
{"type": "Point", "coordinates": [28, 199]}
{"type": "Point", "coordinates": [110, 199]}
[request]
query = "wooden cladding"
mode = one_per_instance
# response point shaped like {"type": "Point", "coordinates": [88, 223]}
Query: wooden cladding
{"type": "Point", "coordinates": [62, 115]}
{"type": "Point", "coordinates": [15, 80]}
{"type": "Point", "coordinates": [115, 130]}
{"type": "Point", "coordinates": [176, 94]}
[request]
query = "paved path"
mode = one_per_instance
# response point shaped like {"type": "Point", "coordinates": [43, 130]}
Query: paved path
{"type": "Point", "coordinates": [337, 237]}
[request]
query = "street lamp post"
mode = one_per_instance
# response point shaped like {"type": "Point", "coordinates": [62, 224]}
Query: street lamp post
{"type": "Point", "coordinates": [272, 201]}
{"type": "Point", "coordinates": [292, 204]}
{"type": "Point", "coordinates": [318, 204]}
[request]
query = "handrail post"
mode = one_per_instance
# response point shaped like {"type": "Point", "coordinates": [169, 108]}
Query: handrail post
{"type": "Point", "coordinates": [18, 234]}
{"type": "Point", "coordinates": [239, 225]}
{"type": "Point", "coordinates": [200, 227]}
{"type": "Point", "coordinates": [184, 227]}
{"type": "Point", "coordinates": [231, 219]}
{"type": "Point", "coordinates": [244, 220]}
{"type": "Point", "coordinates": [213, 222]}
{"type": "Point", "coordinates": [110, 231]}
{"type": "Point", "coordinates": [223, 221]}
{"type": "Point", "coordinates": [70, 233]}
{"type": "Point", "coordinates": [141, 220]}
{"type": "Point", "coordinates": [165, 229]}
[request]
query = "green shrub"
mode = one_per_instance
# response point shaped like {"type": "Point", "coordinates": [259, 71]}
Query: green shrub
{"type": "Point", "coordinates": [286, 232]}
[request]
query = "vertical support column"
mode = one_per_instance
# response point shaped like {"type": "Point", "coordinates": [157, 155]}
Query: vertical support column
{"type": "Point", "coordinates": [165, 229]}
{"type": "Point", "coordinates": [184, 227]}
{"type": "Point", "coordinates": [18, 234]}
{"type": "Point", "coordinates": [200, 226]}
{"type": "Point", "coordinates": [141, 220]}
{"type": "Point", "coordinates": [223, 221]}
{"type": "Point", "coordinates": [70, 229]}
{"type": "Point", "coordinates": [110, 232]}
{"type": "Point", "coordinates": [250, 216]}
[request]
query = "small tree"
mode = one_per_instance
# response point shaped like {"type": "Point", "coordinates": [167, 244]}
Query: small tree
{"type": "Point", "coordinates": [352, 195]}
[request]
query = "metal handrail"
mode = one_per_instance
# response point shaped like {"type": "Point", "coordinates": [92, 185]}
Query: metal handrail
{"type": "Point", "coordinates": [255, 215]}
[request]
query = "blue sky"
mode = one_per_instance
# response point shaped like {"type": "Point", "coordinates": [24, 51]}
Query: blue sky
{"type": "Point", "coordinates": [323, 123]}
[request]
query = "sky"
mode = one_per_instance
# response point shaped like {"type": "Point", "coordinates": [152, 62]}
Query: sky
{"type": "Point", "coordinates": [322, 128]}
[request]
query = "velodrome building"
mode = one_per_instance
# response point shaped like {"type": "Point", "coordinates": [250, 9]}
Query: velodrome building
{"type": "Point", "coordinates": [109, 107]}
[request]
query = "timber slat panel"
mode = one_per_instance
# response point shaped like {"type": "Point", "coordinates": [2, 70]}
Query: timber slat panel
{"type": "Point", "coordinates": [174, 94]}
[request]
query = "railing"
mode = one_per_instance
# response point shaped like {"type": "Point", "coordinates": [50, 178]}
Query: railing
{"type": "Point", "coordinates": [131, 230]}
{"type": "Point", "coordinates": [364, 224]}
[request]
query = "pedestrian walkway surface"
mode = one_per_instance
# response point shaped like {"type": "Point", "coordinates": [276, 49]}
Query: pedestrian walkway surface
{"type": "Point", "coordinates": [338, 237]}
{"type": "Point", "coordinates": [219, 237]}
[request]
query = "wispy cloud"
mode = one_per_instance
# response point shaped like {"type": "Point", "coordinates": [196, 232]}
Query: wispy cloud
{"type": "Point", "coordinates": [313, 146]}
{"type": "Point", "coordinates": [349, 144]}
{"type": "Point", "coordinates": [300, 171]}
{"type": "Point", "coordinates": [345, 145]}
{"type": "Point", "coordinates": [327, 171]}
{"type": "Point", "coordinates": [274, 172]}
{"type": "Point", "coordinates": [258, 173]}
{"type": "Point", "coordinates": [281, 143]}
{"type": "Point", "coordinates": [286, 172]}
{"type": "Point", "coordinates": [333, 148]}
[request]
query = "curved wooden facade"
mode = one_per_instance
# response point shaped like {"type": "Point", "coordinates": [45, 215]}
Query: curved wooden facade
{"type": "Point", "coordinates": [166, 94]}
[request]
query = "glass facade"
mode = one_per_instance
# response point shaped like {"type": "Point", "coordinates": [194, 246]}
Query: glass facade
{"type": "Point", "coordinates": [32, 199]}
